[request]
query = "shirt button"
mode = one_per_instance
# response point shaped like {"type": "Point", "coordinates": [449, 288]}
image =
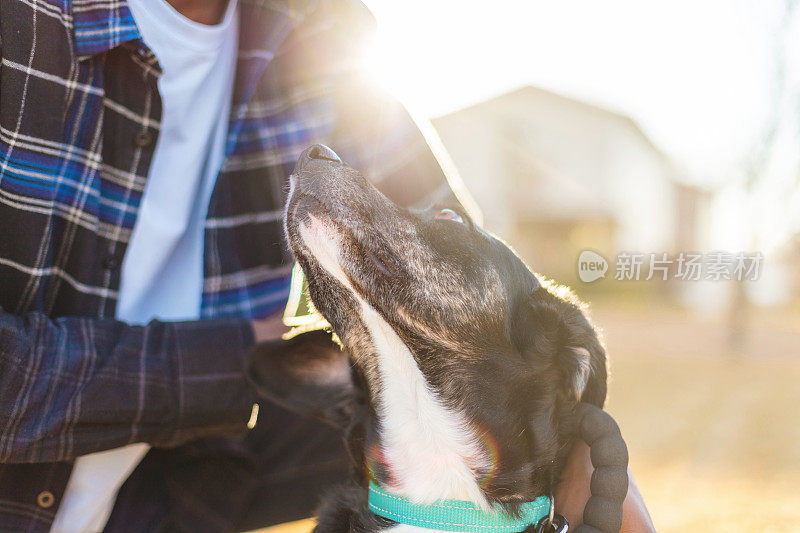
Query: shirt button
{"type": "Point", "coordinates": [143, 139]}
{"type": "Point", "coordinates": [45, 499]}
{"type": "Point", "coordinates": [110, 263]}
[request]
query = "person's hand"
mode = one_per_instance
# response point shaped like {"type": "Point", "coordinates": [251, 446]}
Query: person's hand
{"type": "Point", "coordinates": [573, 492]}
{"type": "Point", "coordinates": [269, 329]}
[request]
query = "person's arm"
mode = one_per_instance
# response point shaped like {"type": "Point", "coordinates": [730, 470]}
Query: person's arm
{"type": "Point", "coordinates": [402, 155]}
{"type": "Point", "coordinates": [322, 64]}
{"type": "Point", "coordinates": [72, 385]}
{"type": "Point", "coordinates": [573, 492]}
{"type": "Point", "coordinates": [374, 132]}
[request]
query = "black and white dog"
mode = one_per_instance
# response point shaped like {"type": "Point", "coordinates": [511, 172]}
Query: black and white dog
{"type": "Point", "coordinates": [460, 369]}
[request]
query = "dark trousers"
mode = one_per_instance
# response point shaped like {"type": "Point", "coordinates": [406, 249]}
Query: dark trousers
{"type": "Point", "coordinates": [275, 474]}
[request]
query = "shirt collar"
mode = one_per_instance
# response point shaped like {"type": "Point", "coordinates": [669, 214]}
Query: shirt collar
{"type": "Point", "coordinates": [100, 25]}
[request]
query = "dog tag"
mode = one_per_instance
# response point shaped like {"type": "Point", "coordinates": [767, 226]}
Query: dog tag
{"type": "Point", "coordinates": [558, 524]}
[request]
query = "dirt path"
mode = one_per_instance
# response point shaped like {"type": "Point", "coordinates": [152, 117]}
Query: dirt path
{"type": "Point", "coordinates": [714, 436]}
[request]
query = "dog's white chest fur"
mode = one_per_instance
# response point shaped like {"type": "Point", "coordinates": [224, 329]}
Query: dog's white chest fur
{"type": "Point", "coordinates": [427, 445]}
{"type": "Point", "coordinates": [405, 528]}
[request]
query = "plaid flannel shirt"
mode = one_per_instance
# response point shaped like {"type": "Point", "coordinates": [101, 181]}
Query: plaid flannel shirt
{"type": "Point", "coordinates": [79, 118]}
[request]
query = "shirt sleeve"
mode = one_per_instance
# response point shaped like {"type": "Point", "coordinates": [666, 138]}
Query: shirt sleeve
{"type": "Point", "coordinates": [400, 153]}
{"type": "Point", "coordinates": [373, 131]}
{"type": "Point", "coordinates": [71, 386]}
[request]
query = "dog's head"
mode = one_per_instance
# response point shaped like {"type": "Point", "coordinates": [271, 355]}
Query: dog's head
{"type": "Point", "coordinates": [511, 354]}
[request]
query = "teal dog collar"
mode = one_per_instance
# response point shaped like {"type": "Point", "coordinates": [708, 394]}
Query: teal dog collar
{"type": "Point", "coordinates": [455, 515]}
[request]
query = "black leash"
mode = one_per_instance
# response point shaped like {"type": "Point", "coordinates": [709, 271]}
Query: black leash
{"type": "Point", "coordinates": [609, 484]}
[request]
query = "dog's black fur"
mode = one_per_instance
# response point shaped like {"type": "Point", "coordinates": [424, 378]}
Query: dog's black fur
{"type": "Point", "coordinates": [510, 351]}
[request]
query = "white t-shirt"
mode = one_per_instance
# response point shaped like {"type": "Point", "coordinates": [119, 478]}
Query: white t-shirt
{"type": "Point", "coordinates": [162, 272]}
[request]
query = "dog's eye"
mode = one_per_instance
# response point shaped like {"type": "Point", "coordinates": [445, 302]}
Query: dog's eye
{"type": "Point", "coordinates": [448, 214]}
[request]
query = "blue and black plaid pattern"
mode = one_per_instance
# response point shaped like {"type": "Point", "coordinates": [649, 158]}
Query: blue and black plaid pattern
{"type": "Point", "coordinates": [79, 118]}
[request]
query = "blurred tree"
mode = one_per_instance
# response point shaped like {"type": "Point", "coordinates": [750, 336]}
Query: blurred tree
{"type": "Point", "coordinates": [783, 112]}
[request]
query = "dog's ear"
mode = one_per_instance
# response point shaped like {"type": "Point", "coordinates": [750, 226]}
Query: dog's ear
{"type": "Point", "coordinates": [562, 329]}
{"type": "Point", "coordinates": [308, 374]}
{"type": "Point", "coordinates": [583, 363]}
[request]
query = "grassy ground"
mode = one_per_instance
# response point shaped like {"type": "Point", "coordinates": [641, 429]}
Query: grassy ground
{"type": "Point", "coordinates": [714, 433]}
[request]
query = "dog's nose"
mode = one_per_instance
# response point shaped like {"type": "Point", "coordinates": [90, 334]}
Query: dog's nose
{"type": "Point", "coordinates": [318, 151]}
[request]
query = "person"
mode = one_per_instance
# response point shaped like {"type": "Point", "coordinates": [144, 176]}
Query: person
{"type": "Point", "coordinates": [144, 152]}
